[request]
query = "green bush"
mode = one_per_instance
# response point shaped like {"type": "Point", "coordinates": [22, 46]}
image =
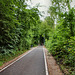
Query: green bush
{"type": "Point", "coordinates": [62, 46]}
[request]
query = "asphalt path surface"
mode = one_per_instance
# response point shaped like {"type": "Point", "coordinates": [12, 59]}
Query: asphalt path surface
{"type": "Point", "coordinates": [31, 64]}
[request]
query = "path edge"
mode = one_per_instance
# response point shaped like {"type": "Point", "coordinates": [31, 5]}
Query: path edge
{"type": "Point", "coordinates": [16, 60]}
{"type": "Point", "coordinates": [46, 67]}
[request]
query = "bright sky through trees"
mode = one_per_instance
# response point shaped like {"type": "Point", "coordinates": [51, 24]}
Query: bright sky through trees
{"type": "Point", "coordinates": [73, 3]}
{"type": "Point", "coordinates": [44, 5]}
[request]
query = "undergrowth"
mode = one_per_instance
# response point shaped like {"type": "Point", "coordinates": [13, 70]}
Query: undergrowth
{"type": "Point", "coordinates": [5, 57]}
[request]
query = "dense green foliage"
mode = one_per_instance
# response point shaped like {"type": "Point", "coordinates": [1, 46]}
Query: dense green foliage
{"type": "Point", "coordinates": [18, 28]}
{"type": "Point", "coordinates": [61, 42]}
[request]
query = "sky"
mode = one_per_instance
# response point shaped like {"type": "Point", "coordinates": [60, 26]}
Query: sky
{"type": "Point", "coordinates": [45, 6]}
{"type": "Point", "coordinates": [73, 3]}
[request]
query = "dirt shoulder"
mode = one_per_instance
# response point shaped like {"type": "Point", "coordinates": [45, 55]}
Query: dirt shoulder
{"type": "Point", "coordinates": [53, 68]}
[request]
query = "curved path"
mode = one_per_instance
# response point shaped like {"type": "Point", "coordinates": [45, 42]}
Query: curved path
{"type": "Point", "coordinates": [31, 64]}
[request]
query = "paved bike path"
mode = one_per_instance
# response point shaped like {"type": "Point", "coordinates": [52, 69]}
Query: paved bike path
{"type": "Point", "coordinates": [31, 64]}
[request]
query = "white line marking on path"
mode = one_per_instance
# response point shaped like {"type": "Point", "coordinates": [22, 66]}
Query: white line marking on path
{"type": "Point", "coordinates": [17, 60]}
{"type": "Point", "coordinates": [45, 62]}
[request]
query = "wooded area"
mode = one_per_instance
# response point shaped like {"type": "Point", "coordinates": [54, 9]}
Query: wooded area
{"type": "Point", "coordinates": [21, 28]}
{"type": "Point", "coordinates": [61, 42]}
